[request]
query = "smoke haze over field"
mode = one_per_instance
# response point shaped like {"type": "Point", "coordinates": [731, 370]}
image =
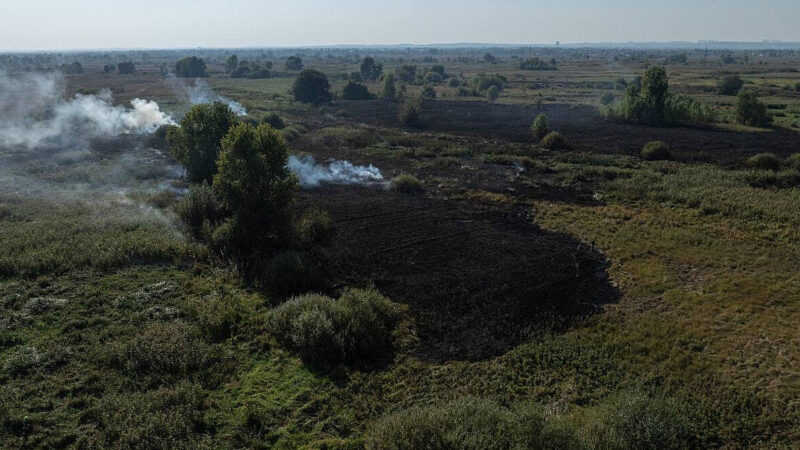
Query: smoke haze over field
{"type": "Point", "coordinates": [201, 92]}
{"type": "Point", "coordinates": [312, 174]}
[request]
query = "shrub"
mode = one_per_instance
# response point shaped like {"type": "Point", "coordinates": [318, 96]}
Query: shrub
{"type": "Point", "coordinates": [314, 227]}
{"type": "Point", "coordinates": [406, 184]}
{"type": "Point", "coordinates": [312, 86]}
{"type": "Point", "coordinates": [433, 77]}
{"type": "Point", "coordinates": [356, 91]}
{"type": "Point", "coordinates": [750, 111]}
{"type": "Point", "coordinates": [794, 161]}
{"type": "Point", "coordinates": [191, 67]}
{"type": "Point", "coordinates": [540, 127]}
{"type": "Point", "coordinates": [258, 74]}
{"type": "Point", "coordinates": [730, 85]}
{"type": "Point", "coordinates": [255, 186]}
{"type": "Point", "coordinates": [554, 141]}
{"type": "Point", "coordinates": [492, 93]}
{"type": "Point", "coordinates": [409, 111]}
{"type": "Point", "coordinates": [766, 161]}
{"type": "Point", "coordinates": [274, 120]}
{"type": "Point", "coordinates": [454, 82]}
{"type": "Point", "coordinates": [217, 315]}
{"type": "Point", "coordinates": [406, 73]}
{"type": "Point", "coordinates": [126, 68]}
{"type": "Point", "coordinates": [428, 91]}
{"type": "Point", "coordinates": [482, 82]}
{"type": "Point", "coordinates": [656, 151]}
{"type": "Point", "coordinates": [358, 327]}
{"type": "Point", "coordinates": [196, 144]}
{"type": "Point", "coordinates": [240, 72]}
{"type": "Point", "coordinates": [167, 348]}
{"type": "Point", "coordinates": [470, 424]}
{"type": "Point", "coordinates": [291, 273]}
{"type": "Point", "coordinates": [231, 63]}
{"type": "Point", "coordinates": [370, 70]}
{"type": "Point", "coordinates": [200, 210]}
{"type": "Point", "coordinates": [389, 89]}
{"type": "Point", "coordinates": [607, 98]}
{"type": "Point", "coordinates": [294, 63]}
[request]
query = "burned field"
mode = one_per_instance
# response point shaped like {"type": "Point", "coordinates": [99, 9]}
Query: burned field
{"type": "Point", "coordinates": [478, 283]}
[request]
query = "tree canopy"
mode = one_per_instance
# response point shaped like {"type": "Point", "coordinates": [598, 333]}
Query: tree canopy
{"type": "Point", "coordinates": [312, 86]}
{"type": "Point", "coordinates": [196, 143]}
{"type": "Point", "coordinates": [191, 67]}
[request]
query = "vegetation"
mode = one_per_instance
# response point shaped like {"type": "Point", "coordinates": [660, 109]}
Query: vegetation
{"type": "Point", "coordinates": [294, 63]}
{"type": "Point", "coordinates": [313, 228]}
{"type": "Point", "coordinates": [656, 151]}
{"type": "Point", "coordinates": [389, 88]}
{"type": "Point", "coordinates": [274, 120]}
{"type": "Point", "coordinates": [191, 67]}
{"type": "Point", "coordinates": [406, 73]}
{"type": "Point", "coordinates": [356, 91]}
{"type": "Point", "coordinates": [231, 63]}
{"type": "Point", "coordinates": [370, 70]}
{"type": "Point", "coordinates": [196, 143]}
{"type": "Point", "coordinates": [406, 184]}
{"type": "Point", "coordinates": [540, 127]}
{"type": "Point", "coordinates": [730, 85]}
{"type": "Point", "coordinates": [410, 110]}
{"type": "Point", "coordinates": [492, 93]}
{"type": "Point", "coordinates": [766, 161]}
{"type": "Point", "coordinates": [357, 327]}
{"type": "Point", "coordinates": [312, 86]}
{"type": "Point", "coordinates": [750, 111]}
{"type": "Point", "coordinates": [554, 141]}
{"type": "Point", "coordinates": [126, 68]}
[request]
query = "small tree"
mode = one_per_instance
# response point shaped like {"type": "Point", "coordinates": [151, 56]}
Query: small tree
{"type": "Point", "coordinates": [191, 67]}
{"type": "Point", "coordinates": [126, 68]}
{"type": "Point", "coordinates": [492, 93]}
{"type": "Point", "coordinates": [196, 143]}
{"type": "Point", "coordinates": [255, 186]}
{"type": "Point", "coordinates": [406, 73]}
{"type": "Point", "coordinates": [410, 110]}
{"type": "Point", "coordinates": [370, 70]}
{"type": "Point", "coordinates": [356, 91]}
{"type": "Point", "coordinates": [655, 90]}
{"type": "Point", "coordinates": [231, 63]}
{"type": "Point", "coordinates": [294, 63]}
{"type": "Point", "coordinates": [655, 151]}
{"type": "Point", "coordinates": [730, 85]}
{"type": "Point", "coordinates": [389, 90]}
{"type": "Point", "coordinates": [312, 86]}
{"type": "Point", "coordinates": [540, 127]}
{"type": "Point", "coordinates": [750, 111]}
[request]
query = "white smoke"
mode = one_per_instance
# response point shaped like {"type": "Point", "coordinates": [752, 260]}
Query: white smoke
{"type": "Point", "coordinates": [201, 92]}
{"type": "Point", "coordinates": [34, 114]}
{"type": "Point", "coordinates": [312, 174]}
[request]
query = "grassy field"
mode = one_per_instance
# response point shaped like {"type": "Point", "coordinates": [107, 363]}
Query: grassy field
{"type": "Point", "coordinates": [117, 331]}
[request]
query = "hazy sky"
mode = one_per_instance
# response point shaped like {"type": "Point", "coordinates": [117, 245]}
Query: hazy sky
{"type": "Point", "coordinates": [82, 24]}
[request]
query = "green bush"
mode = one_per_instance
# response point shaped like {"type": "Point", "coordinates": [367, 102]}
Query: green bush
{"type": "Point", "coordinates": [765, 161]}
{"type": "Point", "coordinates": [191, 67]}
{"type": "Point", "coordinates": [313, 227]}
{"type": "Point", "coordinates": [540, 127]}
{"type": "Point", "coordinates": [292, 273]}
{"type": "Point", "coordinates": [656, 151]}
{"type": "Point", "coordinates": [217, 316]}
{"type": "Point", "coordinates": [199, 210]}
{"type": "Point", "coordinates": [167, 348]}
{"type": "Point", "coordinates": [607, 99]}
{"type": "Point", "coordinates": [312, 86]}
{"type": "Point", "coordinates": [730, 85]}
{"type": "Point", "coordinates": [274, 120]}
{"type": "Point", "coordinates": [196, 143]}
{"type": "Point", "coordinates": [492, 93]}
{"type": "Point", "coordinates": [750, 111]}
{"type": "Point", "coordinates": [356, 91]}
{"type": "Point", "coordinates": [483, 82]}
{"type": "Point", "coordinates": [554, 141]}
{"type": "Point", "coordinates": [358, 327]}
{"type": "Point", "coordinates": [294, 63]}
{"type": "Point", "coordinates": [389, 88]}
{"type": "Point", "coordinates": [370, 70]}
{"type": "Point", "coordinates": [794, 161]}
{"type": "Point", "coordinates": [406, 184]}
{"type": "Point", "coordinates": [471, 424]}
{"type": "Point", "coordinates": [409, 111]}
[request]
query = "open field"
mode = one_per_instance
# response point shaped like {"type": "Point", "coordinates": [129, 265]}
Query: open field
{"type": "Point", "coordinates": [564, 279]}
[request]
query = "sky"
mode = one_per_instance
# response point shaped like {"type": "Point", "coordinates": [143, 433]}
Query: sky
{"type": "Point", "coordinates": [98, 24]}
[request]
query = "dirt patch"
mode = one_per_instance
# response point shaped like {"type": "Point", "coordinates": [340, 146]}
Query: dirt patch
{"type": "Point", "coordinates": [583, 126]}
{"type": "Point", "coordinates": [478, 283]}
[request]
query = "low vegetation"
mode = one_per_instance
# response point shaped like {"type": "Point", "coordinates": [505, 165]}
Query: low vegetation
{"type": "Point", "coordinates": [406, 184]}
{"type": "Point", "coordinates": [312, 86]}
{"type": "Point", "coordinates": [540, 127]}
{"type": "Point", "coordinates": [554, 141]}
{"type": "Point", "coordinates": [656, 151]}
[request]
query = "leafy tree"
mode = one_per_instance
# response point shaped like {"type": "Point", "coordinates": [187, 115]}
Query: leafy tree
{"type": "Point", "coordinates": [191, 67]}
{"type": "Point", "coordinates": [196, 144]}
{"type": "Point", "coordinates": [540, 127]}
{"type": "Point", "coordinates": [406, 73]}
{"type": "Point", "coordinates": [294, 63]}
{"type": "Point", "coordinates": [231, 63]}
{"type": "Point", "coordinates": [108, 68]}
{"type": "Point", "coordinates": [73, 68]}
{"type": "Point", "coordinates": [255, 186]}
{"type": "Point", "coordinates": [410, 110]}
{"type": "Point", "coordinates": [389, 90]}
{"type": "Point", "coordinates": [438, 68]}
{"type": "Point", "coordinates": [370, 70]}
{"type": "Point", "coordinates": [492, 93]}
{"type": "Point", "coordinates": [126, 68]}
{"type": "Point", "coordinates": [750, 111]}
{"type": "Point", "coordinates": [240, 72]}
{"type": "Point", "coordinates": [489, 58]}
{"type": "Point", "coordinates": [312, 86]}
{"type": "Point", "coordinates": [655, 89]}
{"type": "Point", "coordinates": [356, 91]}
{"type": "Point", "coordinates": [428, 91]}
{"type": "Point", "coordinates": [730, 85]}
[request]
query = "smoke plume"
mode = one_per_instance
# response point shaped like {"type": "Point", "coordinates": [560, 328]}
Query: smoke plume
{"type": "Point", "coordinates": [312, 174]}
{"type": "Point", "coordinates": [34, 113]}
{"type": "Point", "coordinates": [201, 92]}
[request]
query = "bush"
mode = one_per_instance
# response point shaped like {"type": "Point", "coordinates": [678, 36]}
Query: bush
{"type": "Point", "coordinates": [492, 93]}
{"type": "Point", "coordinates": [389, 89]}
{"type": "Point", "coordinates": [294, 63]}
{"type": "Point", "coordinates": [255, 187]}
{"type": "Point", "coordinates": [312, 86]}
{"type": "Point", "coordinates": [433, 77]}
{"type": "Point", "coordinates": [313, 228]}
{"type": "Point", "coordinates": [428, 91]}
{"type": "Point", "coordinates": [482, 82]}
{"type": "Point", "coordinates": [730, 85]}
{"type": "Point", "coordinates": [126, 68]}
{"type": "Point", "coordinates": [554, 141]}
{"type": "Point", "coordinates": [196, 144]}
{"type": "Point", "coordinates": [167, 348]}
{"type": "Point", "coordinates": [274, 120]}
{"type": "Point", "coordinates": [750, 111]}
{"type": "Point", "coordinates": [217, 315]}
{"type": "Point", "coordinates": [406, 73]}
{"type": "Point", "coordinates": [240, 72]}
{"type": "Point", "coordinates": [409, 111]}
{"type": "Point", "coordinates": [471, 424]}
{"type": "Point", "coordinates": [794, 161]}
{"type": "Point", "coordinates": [356, 91]}
{"type": "Point", "coordinates": [370, 70]}
{"type": "Point", "coordinates": [292, 273]}
{"type": "Point", "coordinates": [358, 327]}
{"type": "Point", "coordinates": [191, 67]}
{"type": "Point", "coordinates": [656, 151]}
{"type": "Point", "coordinates": [607, 99]}
{"type": "Point", "coordinates": [200, 210]}
{"type": "Point", "coordinates": [765, 161]}
{"type": "Point", "coordinates": [540, 127]}
{"type": "Point", "coordinates": [406, 184]}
